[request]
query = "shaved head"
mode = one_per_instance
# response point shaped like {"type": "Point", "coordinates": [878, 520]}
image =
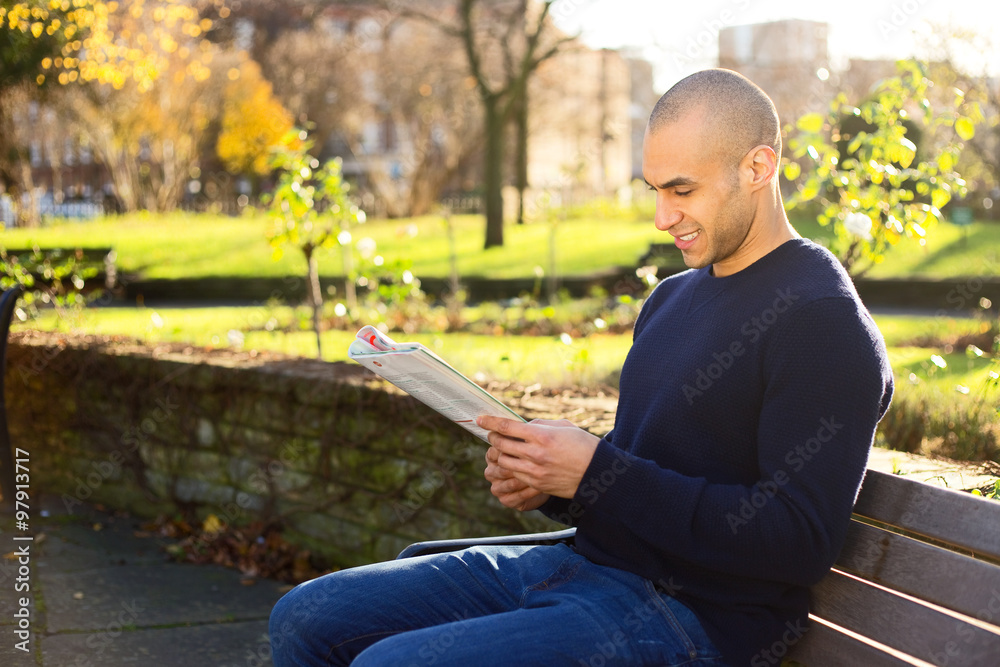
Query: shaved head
{"type": "Point", "coordinates": [737, 114]}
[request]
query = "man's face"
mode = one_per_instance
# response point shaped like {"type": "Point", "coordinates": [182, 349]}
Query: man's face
{"type": "Point", "coordinates": [699, 199]}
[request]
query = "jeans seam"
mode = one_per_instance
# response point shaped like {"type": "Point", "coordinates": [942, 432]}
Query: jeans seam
{"type": "Point", "coordinates": [384, 635]}
{"type": "Point", "coordinates": [557, 573]}
{"type": "Point", "coordinates": [671, 619]}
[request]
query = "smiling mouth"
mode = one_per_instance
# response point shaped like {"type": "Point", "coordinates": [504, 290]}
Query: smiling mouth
{"type": "Point", "coordinates": [688, 237]}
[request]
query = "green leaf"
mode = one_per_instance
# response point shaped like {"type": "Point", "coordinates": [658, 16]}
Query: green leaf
{"type": "Point", "coordinates": [809, 190]}
{"type": "Point", "coordinates": [792, 171]}
{"type": "Point", "coordinates": [965, 128]}
{"type": "Point", "coordinates": [811, 122]}
{"type": "Point", "coordinates": [856, 142]}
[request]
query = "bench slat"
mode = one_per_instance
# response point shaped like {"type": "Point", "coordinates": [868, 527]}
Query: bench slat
{"type": "Point", "coordinates": [942, 514]}
{"type": "Point", "coordinates": [828, 647]}
{"type": "Point", "coordinates": [929, 573]}
{"type": "Point", "coordinates": [902, 624]}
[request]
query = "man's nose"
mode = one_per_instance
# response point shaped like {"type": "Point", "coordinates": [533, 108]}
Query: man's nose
{"type": "Point", "coordinates": [666, 217]}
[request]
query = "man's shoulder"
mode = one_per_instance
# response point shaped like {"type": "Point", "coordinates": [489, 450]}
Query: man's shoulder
{"type": "Point", "coordinates": [813, 272]}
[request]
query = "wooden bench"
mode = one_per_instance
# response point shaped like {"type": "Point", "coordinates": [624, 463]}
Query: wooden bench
{"type": "Point", "coordinates": [917, 580]}
{"type": "Point", "coordinates": [8, 301]}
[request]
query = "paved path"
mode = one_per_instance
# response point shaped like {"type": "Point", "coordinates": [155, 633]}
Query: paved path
{"type": "Point", "coordinates": [102, 595]}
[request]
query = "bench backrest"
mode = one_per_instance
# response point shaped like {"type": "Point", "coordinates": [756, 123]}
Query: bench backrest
{"type": "Point", "coordinates": [8, 301]}
{"type": "Point", "coordinates": [919, 576]}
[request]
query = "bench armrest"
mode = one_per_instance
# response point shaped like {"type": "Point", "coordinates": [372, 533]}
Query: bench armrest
{"type": "Point", "coordinates": [444, 546]}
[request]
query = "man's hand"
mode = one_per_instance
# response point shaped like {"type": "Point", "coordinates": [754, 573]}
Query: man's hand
{"type": "Point", "coordinates": [511, 491]}
{"type": "Point", "coordinates": [546, 457]}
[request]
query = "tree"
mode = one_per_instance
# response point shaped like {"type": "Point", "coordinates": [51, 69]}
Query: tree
{"type": "Point", "coordinates": [126, 64]}
{"type": "Point", "coordinates": [253, 122]}
{"type": "Point", "coordinates": [311, 211]}
{"type": "Point", "coordinates": [875, 192]}
{"type": "Point", "coordinates": [504, 44]}
{"type": "Point", "coordinates": [392, 99]}
{"type": "Point", "coordinates": [428, 114]}
{"type": "Point", "coordinates": [945, 48]}
{"type": "Point", "coordinates": [22, 53]}
{"type": "Point", "coordinates": [111, 42]}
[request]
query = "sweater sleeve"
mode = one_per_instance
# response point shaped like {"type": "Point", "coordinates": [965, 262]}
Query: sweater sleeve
{"type": "Point", "coordinates": [828, 383]}
{"type": "Point", "coordinates": [566, 510]}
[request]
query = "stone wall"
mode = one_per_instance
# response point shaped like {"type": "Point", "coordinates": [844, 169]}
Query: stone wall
{"type": "Point", "coordinates": [349, 466]}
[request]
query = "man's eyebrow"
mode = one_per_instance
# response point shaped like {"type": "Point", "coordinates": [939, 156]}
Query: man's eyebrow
{"type": "Point", "coordinates": [673, 183]}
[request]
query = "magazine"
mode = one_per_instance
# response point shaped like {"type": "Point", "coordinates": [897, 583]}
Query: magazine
{"type": "Point", "coordinates": [428, 378]}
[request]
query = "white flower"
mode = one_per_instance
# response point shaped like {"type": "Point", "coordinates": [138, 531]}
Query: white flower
{"type": "Point", "coordinates": [366, 247]}
{"type": "Point", "coordinates": [858, 224]}
{"type": "Point", "coordinates": [235, 338]}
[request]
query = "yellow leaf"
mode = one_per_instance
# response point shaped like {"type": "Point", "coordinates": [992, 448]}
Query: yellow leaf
{"type": "Point", "coordinates": [811, 122]}
{"type": "Point", "coordinates": [965, 128]}
{"type": "Point", "coordinates": [946, 162]}
{"type": "Point", "coordinates": [940, 197]}
{"type": "Point", "coordinates": [211, 524]}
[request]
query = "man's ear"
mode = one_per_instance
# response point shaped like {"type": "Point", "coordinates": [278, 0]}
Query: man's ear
{"type": "Point", "coordinates": [761, 164]}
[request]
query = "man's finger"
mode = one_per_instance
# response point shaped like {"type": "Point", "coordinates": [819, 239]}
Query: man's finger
{"type": "Point", "coordinates": [517, 466]}
{"type": "Point", "coordinates": [507, 427]}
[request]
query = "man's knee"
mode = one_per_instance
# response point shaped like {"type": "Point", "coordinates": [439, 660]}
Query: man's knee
{"type": "Point", "coordinates": [280, 625]}
{"type": "Point", "coordinates": [298, 610]}
{"type": "Point", "coordinates": [396, 650]}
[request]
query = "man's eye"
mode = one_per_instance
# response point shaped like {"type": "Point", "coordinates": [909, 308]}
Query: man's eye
{"type": "Point", "coordinates": [651, 188]}
{"type": "Point", "coordinates": [682, 193]}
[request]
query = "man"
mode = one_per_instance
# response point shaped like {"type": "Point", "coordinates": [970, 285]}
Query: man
{"type": "Point", "coordinates": [747, 407]}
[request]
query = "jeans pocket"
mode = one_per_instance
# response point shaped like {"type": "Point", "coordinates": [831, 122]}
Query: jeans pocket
{"type": "Point", "coordinates": [683, 641]}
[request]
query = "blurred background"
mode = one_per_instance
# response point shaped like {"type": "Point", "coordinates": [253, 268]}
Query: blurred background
{"type": "Point", "coordinates": [205, 200]}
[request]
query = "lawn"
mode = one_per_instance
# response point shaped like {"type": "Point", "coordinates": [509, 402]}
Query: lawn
{"type": "Point", "coordinates": [184, 245]}
{"type": "Point", "coordinates": [550, 360]}
{"type": "Point", "coordinates": [524, 359]}
{"type": "Point", "coordinates": [941, 383]}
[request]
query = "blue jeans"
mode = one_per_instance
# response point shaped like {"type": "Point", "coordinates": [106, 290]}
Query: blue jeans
{"type": "Point", "coordinates": [525, 605]}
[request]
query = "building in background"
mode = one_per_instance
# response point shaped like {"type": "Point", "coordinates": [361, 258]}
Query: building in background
{"type": "Point", "coordinates": [643, 98]}
{"type": "Point", "coordinates": [580, 137]}
{"type": "Point", "coordinates": [789, 60]}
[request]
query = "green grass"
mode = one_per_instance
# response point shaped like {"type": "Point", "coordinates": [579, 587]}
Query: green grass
{"type": "Point", "coordinates": [950, 251]}
{"type": "Point", "coordinates": [905, 330]}
{"type": "Point", "coordinates": [940, 407]}
{"type": "Point", "coordinates": [524, 359]}
{"type": "Point", "coordinates": [181, 245]}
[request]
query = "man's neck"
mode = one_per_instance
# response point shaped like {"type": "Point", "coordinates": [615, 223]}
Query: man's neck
{"type": "Point", "coordinates": [769, 230]}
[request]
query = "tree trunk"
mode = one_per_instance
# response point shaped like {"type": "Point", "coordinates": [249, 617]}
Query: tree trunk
{"type": "Point", "coordinates": [493, 173]}
{"type": "Point", "coordinates": [314, 293]}
{"type": "Point", "coordinates": [521, 178]}
{"type": "Point", "coordinates": [27, 214]}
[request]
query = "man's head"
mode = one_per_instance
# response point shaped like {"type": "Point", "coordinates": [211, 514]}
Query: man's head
{"type": "Point", "coordinates": [711, 152]}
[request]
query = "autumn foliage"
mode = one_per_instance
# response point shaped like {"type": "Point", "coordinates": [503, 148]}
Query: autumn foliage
{"type": "Point", "coordinates": [115, 42]}
{"type": "Point", "coordinates": [253, 120]}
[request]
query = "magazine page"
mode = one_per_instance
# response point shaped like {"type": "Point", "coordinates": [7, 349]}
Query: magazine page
{"type": "Point", "coordinates": [428, 378]}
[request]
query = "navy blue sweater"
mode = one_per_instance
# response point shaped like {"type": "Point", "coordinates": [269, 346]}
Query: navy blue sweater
{"type": "Point", "coordinates": [747, 409]}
